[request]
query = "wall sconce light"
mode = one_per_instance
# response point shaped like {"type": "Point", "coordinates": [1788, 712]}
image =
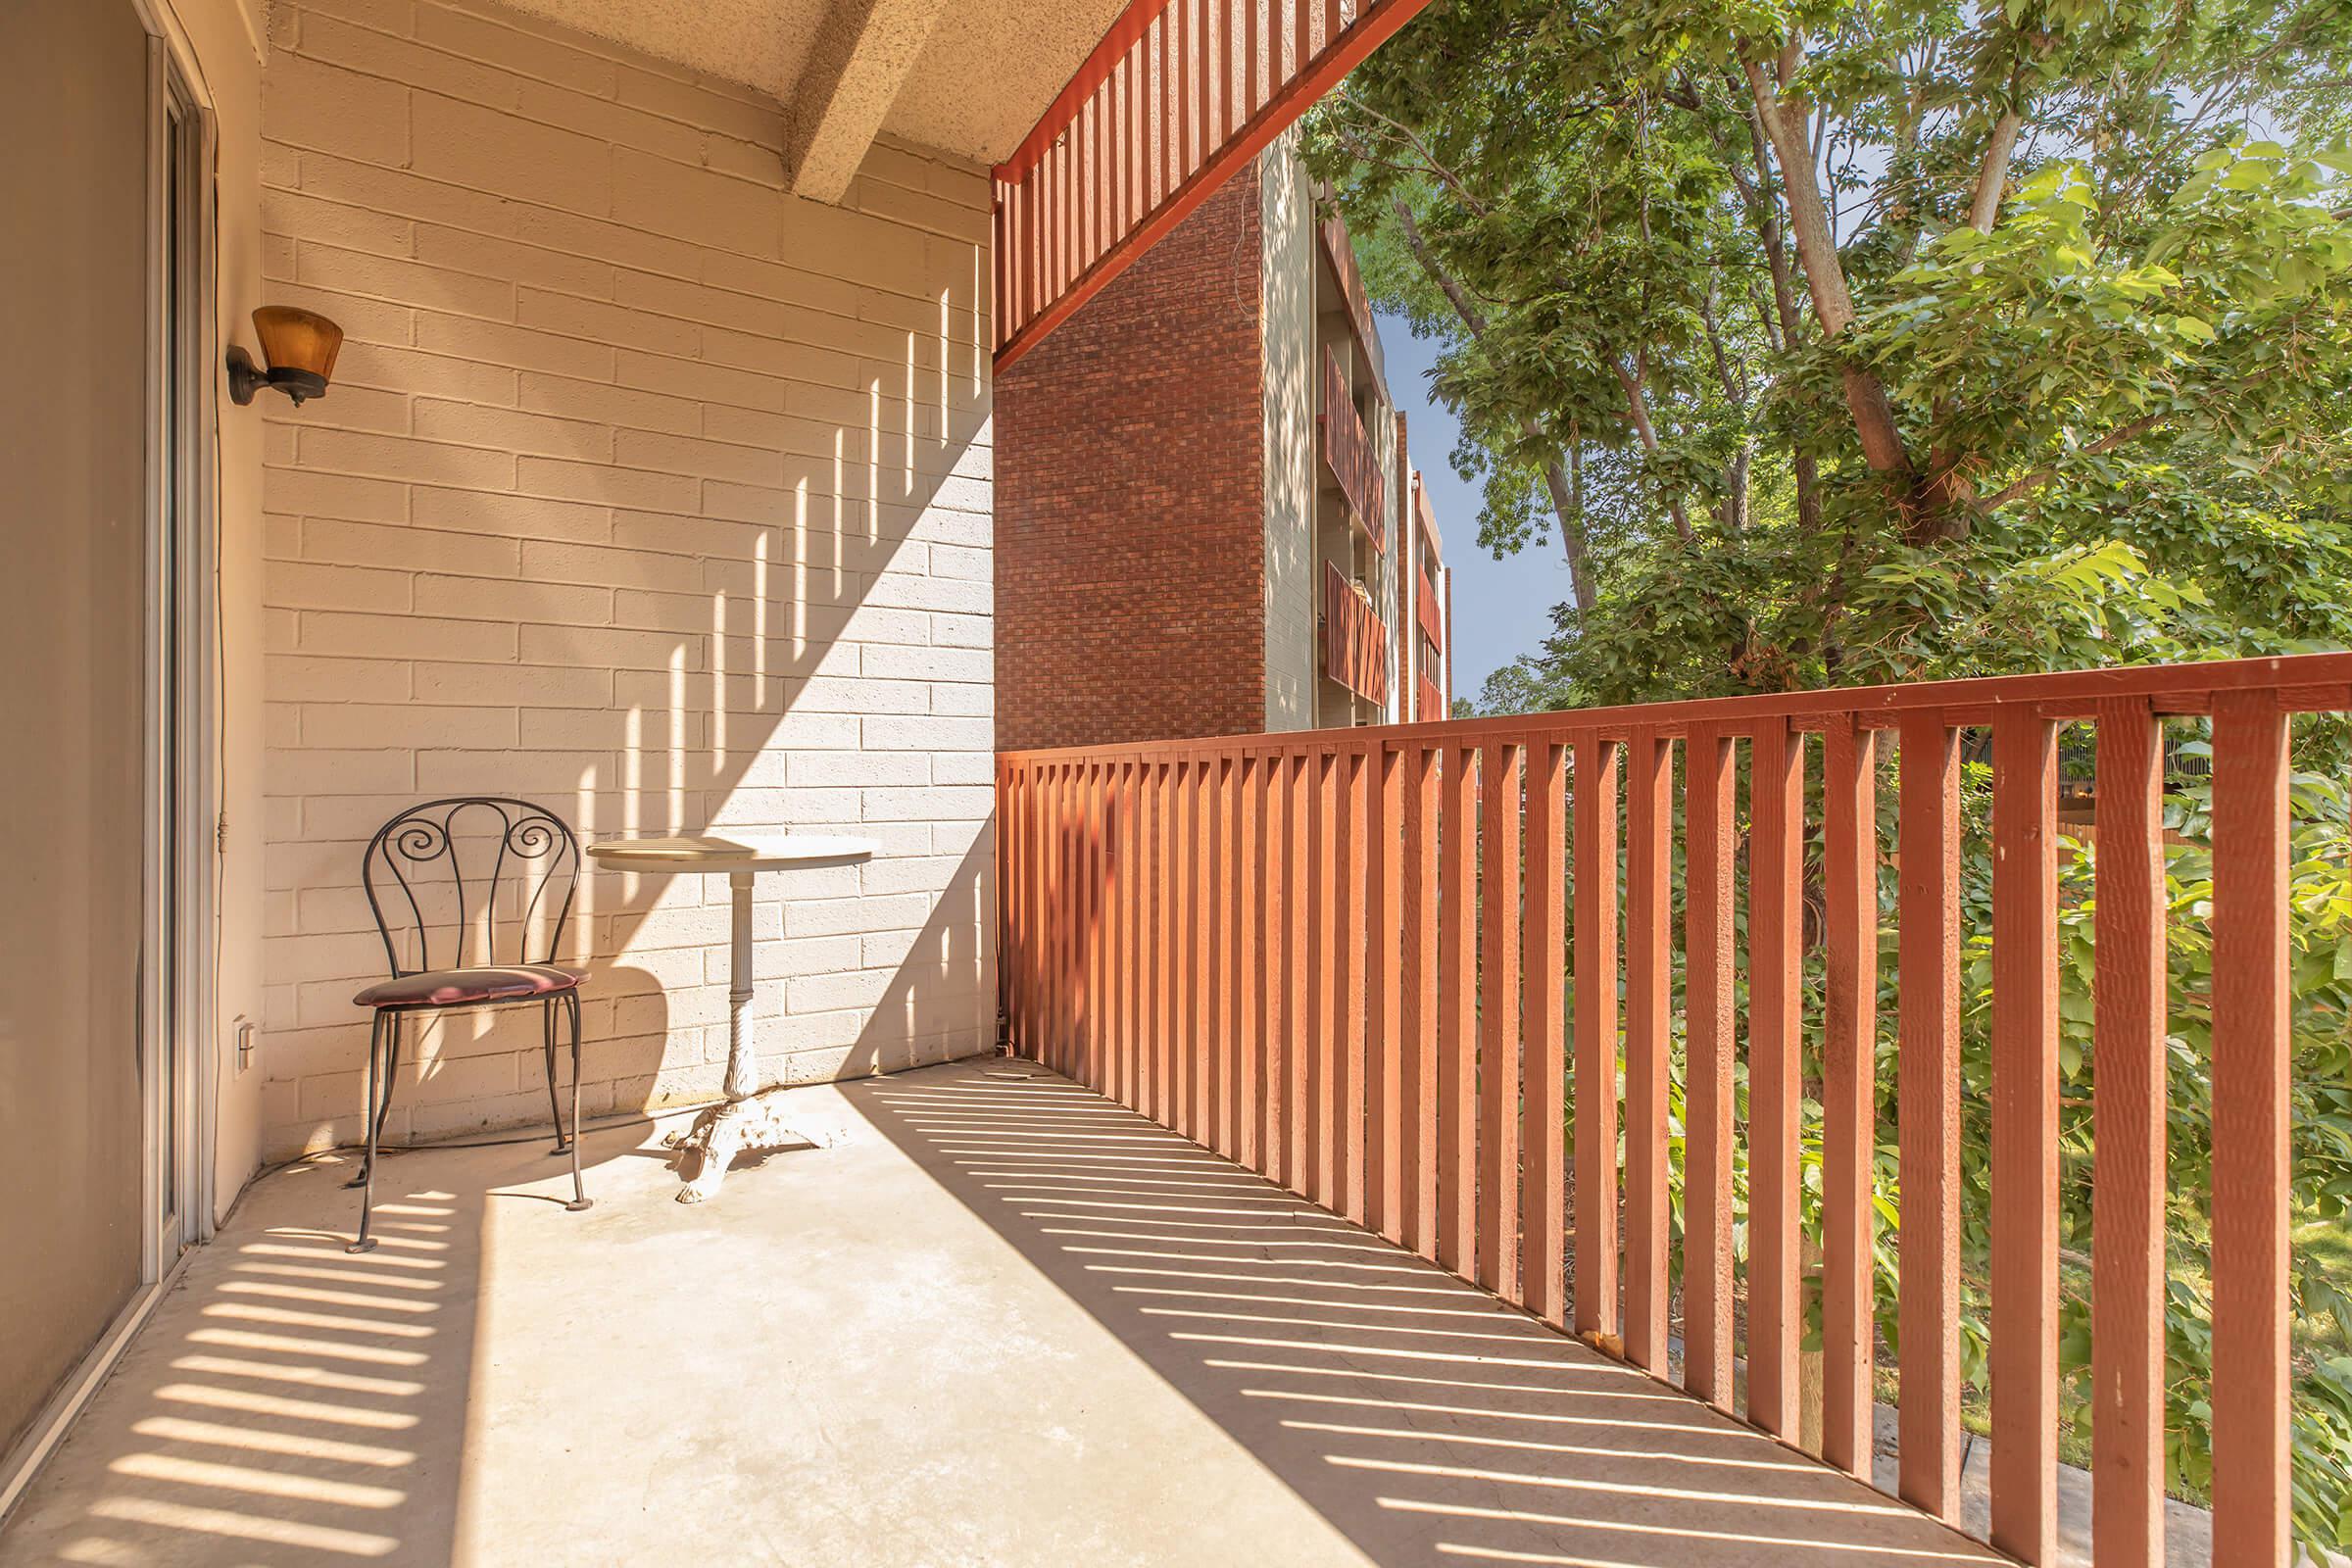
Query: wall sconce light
{"type": "Point", "coordinates": [300, 346]}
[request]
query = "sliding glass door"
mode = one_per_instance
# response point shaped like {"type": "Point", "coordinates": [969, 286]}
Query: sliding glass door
{"type": "Point", "coordinates": [102, 477]}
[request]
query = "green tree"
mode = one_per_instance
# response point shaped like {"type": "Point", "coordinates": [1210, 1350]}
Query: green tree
{"type": "Point", "coordinates": [1807, 328]}
{"type": "Point", "coordinates": [1845, 342]}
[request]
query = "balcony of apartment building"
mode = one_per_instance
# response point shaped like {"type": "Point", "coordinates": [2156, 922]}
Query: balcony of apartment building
{"type": "Point", "coordinates": [1197, 1151]}
{"type": "Point", "coordinates": [1433, 677]}
{"type": "Point", "coordinates": [1360, 470]}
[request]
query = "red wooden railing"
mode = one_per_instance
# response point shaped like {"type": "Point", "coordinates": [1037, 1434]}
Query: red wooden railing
{"type": "Point", "coordinates": [1348, 451]}
{"type": "Point", "coordinates": [1425, 611]}
{"type": "Point", "coordinates": [1177, 97]}
{"type": "Point", "coordinates": [1355, 641]}
{"type": "Point", "coordinates": [1339, 253]}
{"type": "Point", "coordinates": [1340, 957]}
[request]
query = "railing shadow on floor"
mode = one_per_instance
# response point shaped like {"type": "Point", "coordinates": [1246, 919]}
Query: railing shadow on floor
{"type": "Point", "coordinates": [1419, 1415]}
{"type": "Point", "coordinates": [288, 1404]}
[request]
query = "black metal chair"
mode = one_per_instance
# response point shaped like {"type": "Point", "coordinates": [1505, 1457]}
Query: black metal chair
{"type": "Point", "coordinates": [530, 851]}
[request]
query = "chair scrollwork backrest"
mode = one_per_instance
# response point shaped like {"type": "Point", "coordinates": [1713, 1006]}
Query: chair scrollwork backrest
{"type": "Point", "coordinates": [462, 851]}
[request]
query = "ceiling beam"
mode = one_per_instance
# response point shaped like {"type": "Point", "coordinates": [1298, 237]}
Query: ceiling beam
{"type": "Point", "coordinates": [858, 61]}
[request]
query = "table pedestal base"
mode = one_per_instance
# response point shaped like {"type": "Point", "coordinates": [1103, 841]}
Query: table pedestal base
{"type": "Point", "coordinates": [752, 1125]}
{"type": "Point", "coordinates": [750, 1121]}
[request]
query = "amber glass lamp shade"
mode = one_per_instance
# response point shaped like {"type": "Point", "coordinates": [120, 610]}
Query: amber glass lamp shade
{"type": "Point", "coordinates": [300, 346]}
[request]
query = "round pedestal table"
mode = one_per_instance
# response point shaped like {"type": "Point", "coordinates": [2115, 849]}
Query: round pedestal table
{"type": "Point", "coordinates": [749, 1119]}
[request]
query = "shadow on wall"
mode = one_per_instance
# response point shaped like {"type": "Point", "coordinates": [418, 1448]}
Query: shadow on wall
{"type": "Point", "coordinates": [1423, 1419]}
{"type": "Point", "coordinates": [795, 700]}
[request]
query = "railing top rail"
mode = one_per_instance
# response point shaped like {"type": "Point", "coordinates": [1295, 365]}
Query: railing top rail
{"type": "Point", "coordinates": [2304, 682]}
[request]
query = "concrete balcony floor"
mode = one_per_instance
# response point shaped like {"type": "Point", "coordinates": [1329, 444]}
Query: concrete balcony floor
{"type": "Point", "coordinates": [993, 1319]}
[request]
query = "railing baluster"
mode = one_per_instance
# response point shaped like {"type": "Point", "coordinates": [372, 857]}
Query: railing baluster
{"type": "Point", "coordinates": [1201, 1038]}
{"type": "Point", "coordinates": [1301, 988]}
{"type": "Point", "coordinates": [1274, 933]}
{"type": "Point", "coordinates": [1163, 944]}
{"type": "Point", "coordinates": [1542, 1215]}
{"type": "Point", "coordinates": [1595, 1053]}
{"type": "Point", "coordinates": [2250, 1144]}
{"type": "Point", "coordinates": [1849, 1090]}
{"type": "Point", "coordinates": [1123, 960]}
{"type": "Point", "coordinates": [1348, 973]}
{"type": "Point", "coordinates": [1067, 955]}
{"type": "Point", "coordinates": [1707, 803]}
{"type": "Point", "coordinates": [1323, 987]}
{"type": "Point", "coordinates": [2024, 1135]}
{"type": "Point", "coordinates": [1080, 902]}
{"type": "Point", "coordinates": [1012, 817]}
{"type": "Point", "coordinates": [1254, 15]}
{"type": "Point", "coordinates": [1180, 95]}
{"type": "Point", "coordinates": [1927, 1091]}
{"type": "Point", "coordinates": [1499, 769]}
{"type": "Point", "coordinates": [1457, 1014]}
{"type": "Point", "coordinates": [1225, 934]}
{"type": "Point", "coordinates": [1054, 995]}
{"type": "Point", "coordinates": [1106, 905]}
{"type": "Point", "coordinates": [1421, 999]}
{"type": "Point", "coordinates": [1385, 1106]}
{"type": "Point", "coordinates": [1649, 819]}
{"type": "Point", "coordinates": [1775, 955]}
{"type": "Point", "coordinates": [1250, 1071]}
{"type": "Point", "coordinates": [2128, 1110]}
{"type": "Point", "coordinates": [1183, 978]}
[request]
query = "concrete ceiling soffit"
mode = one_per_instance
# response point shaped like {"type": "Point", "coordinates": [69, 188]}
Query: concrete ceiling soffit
{"type": "Point", "coordinates": [858, 61]}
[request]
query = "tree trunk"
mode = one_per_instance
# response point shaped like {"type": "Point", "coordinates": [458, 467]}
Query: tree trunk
{"type": "Point", "coordinates": [1784, 127]}
{"type": "Point", "coordinates": [1637, 405]}
{"type": "Point", "coordinates": [1568, 502]}
{"type": "Point", "coordinates": [1474, 322]}
{"type": "Point", "coordinates": [1993, 174]}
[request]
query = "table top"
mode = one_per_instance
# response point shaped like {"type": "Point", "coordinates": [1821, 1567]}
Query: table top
{"type": "Point", "coordinates": [731, 853]}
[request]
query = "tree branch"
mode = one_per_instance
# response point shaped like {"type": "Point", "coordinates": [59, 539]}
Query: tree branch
{"type": "Point", "coordinates": [1568, 509]}
{"type": "Point", "coordinates": [2119, 436]}
{"type": "Point", "coordinates": [1993, 174]}
{"type": "Point", "coordinates": [1784, 122]}
{"type": "Point", "coordinates": [1637, 405]}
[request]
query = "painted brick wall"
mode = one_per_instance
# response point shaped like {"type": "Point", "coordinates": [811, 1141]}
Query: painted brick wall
{"type": "Point", "coordinates": [1294, 589]}
{"type": "Point", "coordinates": [646, 491]}
{"type": "Point", "coordinates": [1131, 502]}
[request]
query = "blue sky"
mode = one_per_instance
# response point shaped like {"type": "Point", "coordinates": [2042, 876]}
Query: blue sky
{"type": "Point", "coordinates": [1501, 609]}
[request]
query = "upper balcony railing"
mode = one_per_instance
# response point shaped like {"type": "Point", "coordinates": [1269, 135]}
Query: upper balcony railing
{"type": "Point", "coordinates": [1174, 100]}
{"type": "Point", "coordinates": [1347, 453]}
{"type": "Point", "coordinates": [1426, 612]}
{"type": "Point", "coordinates": [1355, 641]}
{"type": "Point", "coordinates": [1380, 965]}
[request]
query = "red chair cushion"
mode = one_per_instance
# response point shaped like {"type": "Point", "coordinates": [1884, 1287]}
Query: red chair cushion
{"type": "Point", "coordinates": [455, 988]}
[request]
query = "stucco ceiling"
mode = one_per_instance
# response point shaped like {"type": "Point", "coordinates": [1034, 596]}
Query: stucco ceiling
{"type": "Point", "coordinates": [983, 76]}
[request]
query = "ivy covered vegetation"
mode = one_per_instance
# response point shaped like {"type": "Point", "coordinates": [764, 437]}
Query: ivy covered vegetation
{"type": "Point", "coordinates": [1837, 343]}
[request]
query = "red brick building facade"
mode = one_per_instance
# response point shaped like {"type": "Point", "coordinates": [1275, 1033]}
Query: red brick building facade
{"type": "Point", "coordinates": [1145, 585]}
{"type": "Point", "coordinates": [1131, 502]}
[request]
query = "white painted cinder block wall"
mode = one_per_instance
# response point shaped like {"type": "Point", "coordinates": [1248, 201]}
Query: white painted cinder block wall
{"type": "Point", "coordinates": [646, 491]}
{"type": "Point", "coordinates": [1287, 283]}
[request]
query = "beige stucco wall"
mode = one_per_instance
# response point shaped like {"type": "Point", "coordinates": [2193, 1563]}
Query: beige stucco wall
{"type": "Point", "coordinates": [648, 492]}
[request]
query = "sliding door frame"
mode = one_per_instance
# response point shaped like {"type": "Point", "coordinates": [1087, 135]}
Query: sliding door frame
{"type": "Point", "coordinates": [178, 1036]}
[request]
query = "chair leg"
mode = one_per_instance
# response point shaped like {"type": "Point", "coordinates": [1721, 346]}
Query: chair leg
{"type": "Point", "coordinates": [366, 1178]}
{"type": "Point", "coordinates": [395, 1024]}
{"type": "Point", "coordinates": [555, 1111]}
{"type": "Point", "coordinates": [580, 1194]}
